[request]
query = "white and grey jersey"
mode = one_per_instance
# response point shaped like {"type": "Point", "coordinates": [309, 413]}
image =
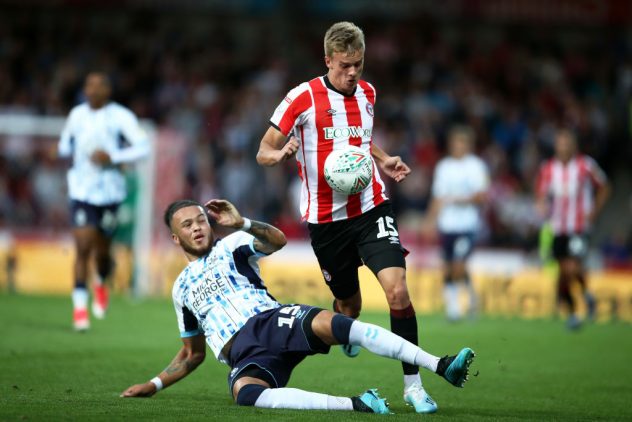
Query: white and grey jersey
{"type": "Point", "coordinates": [218, 293]}
{"type": "Point", "coordinates": [458, 178]}
{"type": "Point", "coordinates": [112, 128]}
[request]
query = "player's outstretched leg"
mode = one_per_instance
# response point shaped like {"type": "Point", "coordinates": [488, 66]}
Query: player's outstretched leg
{"type": "Point", "coordinates": [292, 398]}
{"type": "Point", "coordinates": [384, 343]}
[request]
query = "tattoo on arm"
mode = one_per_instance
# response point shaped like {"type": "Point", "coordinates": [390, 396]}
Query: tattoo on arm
{"type": "Point", "coordinates": [178, 365]}
{"type": "Point", "coordinates": [267, 237]}
{"type": "Point", "coordinates": [261, 230]}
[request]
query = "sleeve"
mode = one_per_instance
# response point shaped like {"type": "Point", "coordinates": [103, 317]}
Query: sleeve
{"type": "Point", "coordinates": [130, 131]}
{"type": "Point", "coordinates": [291, 111]}
{"type": "Point", "coordinates": [597, 175]}
{"type": "Point", "coordinates": [187, 323]}
{"type": "Point", "coordinates": [242, 243]}
{"type": "Point", "coordinates": [67, 139]}
{"type": "Point", "coordinates": [481, 178]}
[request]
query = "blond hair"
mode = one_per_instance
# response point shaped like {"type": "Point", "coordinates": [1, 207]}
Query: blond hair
{"type": "Point", "coordinates": [464, 131]}
{"type": "Point", "coordinates": [343, 37]}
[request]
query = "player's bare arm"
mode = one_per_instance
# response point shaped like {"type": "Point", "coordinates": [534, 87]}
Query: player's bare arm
{"type": "Point", "coordinates": [478, 198]}
{"type": "Point", "coordinates": [190, 356]}
{"type": "Point", "coordinates": [601, 196]}
{"type": "Point", "coordinates": [393, 166]}
{"type": "Point", "coordinates": [274, 149]}
{"type": "Point", "coordinates": [268, 238]}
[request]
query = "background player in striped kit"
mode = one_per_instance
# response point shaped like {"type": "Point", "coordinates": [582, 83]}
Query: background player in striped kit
{"type": "Point", "coordinates": [571, 191]}
{"type": "Point", "coordinates": [221, 299]}
{"type": "Point", "coordinates": [328, 113]}
{"type": "Point", "coordinates": [459, 189]}
{"type": "Point", "coordinates": [99, 136]}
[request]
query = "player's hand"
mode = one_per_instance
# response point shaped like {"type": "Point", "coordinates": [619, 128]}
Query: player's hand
{"type": "Point", "coordinates": [140, 390]}
{"type": "Point", "coordinates": [101, 158]}
{"type": "Point", "coordinates": [224, 213]}
{"type": "Point", "coordinates": [395, 168]}
{"type": "Point", "coordinates": [541, 208]}
{"type": "Point", "coordinates": [428, 230]}
{"type": "Point", "coordinates": [289, 149]}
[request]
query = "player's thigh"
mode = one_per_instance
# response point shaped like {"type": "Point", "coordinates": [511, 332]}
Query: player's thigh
{"type": "Point", "coordinates": [335, 248]}
{"type": "Point", "coordinates": [379, 245]}
{"type": "Point", "coordinates": [107, 223]}
{"type": "Point", "coordinates": [570, 252]}
{"type": "Point", "coordinates": [276, 341]}
{"type": "Point", "coordinates": [85, 239]}
{"type": "Point", "coordinates": [457, 247]}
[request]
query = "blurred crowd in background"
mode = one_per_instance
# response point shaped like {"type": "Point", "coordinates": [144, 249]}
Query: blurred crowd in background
{"type": "Point", "coordinates": [216, 81]}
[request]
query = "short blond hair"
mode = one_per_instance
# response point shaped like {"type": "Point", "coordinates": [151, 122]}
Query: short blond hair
{"type": "Point", "coordinates": [343, 37]}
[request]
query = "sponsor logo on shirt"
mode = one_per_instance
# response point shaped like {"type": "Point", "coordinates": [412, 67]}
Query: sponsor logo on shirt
{"type": "Point", "coordinates": [347, 132]}
{"type": "Point", "coordinates": [288, 100]}
{"type": "Point", "coordinates": [331, 111]}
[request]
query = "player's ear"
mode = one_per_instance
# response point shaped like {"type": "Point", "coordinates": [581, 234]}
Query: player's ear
{"type": "Point", "coordinates": [328, 62]}
{"type": "Point", "coordinates": [175, 238]}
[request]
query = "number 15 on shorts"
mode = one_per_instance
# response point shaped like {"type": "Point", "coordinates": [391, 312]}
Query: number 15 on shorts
{"type": "Point", "coordinates": [289, 320]}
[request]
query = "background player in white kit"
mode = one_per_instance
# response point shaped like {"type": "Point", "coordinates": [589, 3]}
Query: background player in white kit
{"type": "Point", "coordinates": [571, 191]}
{"type": "Point", "coordinates": [459, 189]}
{"type": "Point", "coordinates": [220, 299]}
{"type": "Point", "coordinates": [329, 113]}
{"type": "Point", "coordinates": [99, 136]}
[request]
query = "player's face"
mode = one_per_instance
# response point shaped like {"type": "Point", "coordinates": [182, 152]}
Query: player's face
{"type": "Point", "coordinates": [97, 90]}
{"type": "Point", "coordinates": [564, 146]}
{"type": "Point", "coordinates": [345, 70]}
{"type": "Point", "coordinates": [459, 145]}
{"type": "Point", "coordinates": [191, 230]}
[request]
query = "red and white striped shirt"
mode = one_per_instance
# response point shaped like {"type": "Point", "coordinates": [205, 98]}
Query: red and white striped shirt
{"type": "Point", "coordinates": [570, 188]}
{"type": "Point", "coordinates": [323, 119]}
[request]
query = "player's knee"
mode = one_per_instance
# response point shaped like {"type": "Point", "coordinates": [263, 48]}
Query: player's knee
{"type": "Point", "coordinates": [248, 394]}
{"type": "Point", "coordinates": [397, 296]}
{"type": "Point", "coordinates": [349, 308]}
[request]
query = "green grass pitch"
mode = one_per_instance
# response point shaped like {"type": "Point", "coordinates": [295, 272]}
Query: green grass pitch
{"type": "Point", "coordinates": [527, 370]}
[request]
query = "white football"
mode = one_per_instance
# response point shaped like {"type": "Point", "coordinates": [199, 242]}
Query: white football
{"type": "Point", "coordinates": [349, 170]}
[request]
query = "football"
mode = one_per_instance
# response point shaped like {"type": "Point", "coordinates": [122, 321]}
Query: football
{"type": "Point", "coordinates": [349, 170]}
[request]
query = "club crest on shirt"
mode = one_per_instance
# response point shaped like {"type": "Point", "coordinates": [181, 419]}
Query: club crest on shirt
{"type": "Point", "coordinates": [326, 275]}
{"type": "Point", "coordinates": [369, 109]}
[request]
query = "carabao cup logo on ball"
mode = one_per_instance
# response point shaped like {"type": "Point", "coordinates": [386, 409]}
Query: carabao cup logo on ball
{"type": "Point", "coordinates": [349, 170]}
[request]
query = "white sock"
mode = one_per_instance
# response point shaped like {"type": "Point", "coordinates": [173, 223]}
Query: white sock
{"type": "Point", "coordinates": [451, 297]}
{"type": "Point", "coordinates": [384, 343]}
{"type": "Point", "coordinates": [473, 297]}
{"type": "Point", "coordinates": [80, 298]}
{"type": "Point", "coordinates": [410, 380]}
{"type": "Point", "coordinates": [293, 398]}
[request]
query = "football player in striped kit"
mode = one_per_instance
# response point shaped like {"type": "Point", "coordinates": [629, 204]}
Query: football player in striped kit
{"type": "Point", "coordinates": [99, 136]}
{"type": "Point", "coordinates": [571, 190]}
{"type": "Point", "coordinates": [221, 301]}
{"type": "Point", "coordinates": [317, 117]}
